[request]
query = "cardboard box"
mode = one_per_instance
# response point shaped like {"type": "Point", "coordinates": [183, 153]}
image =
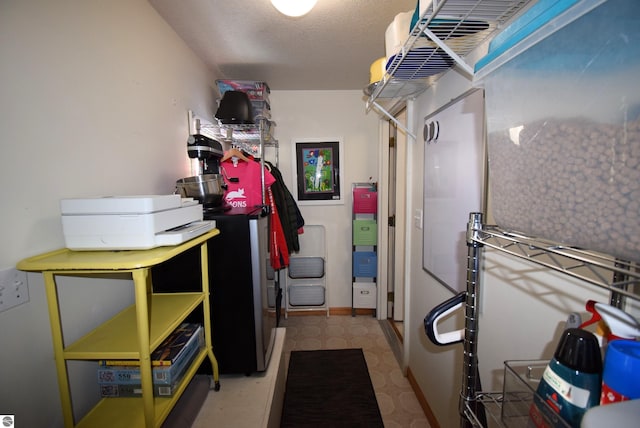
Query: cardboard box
{"type": "Point", "coordinates": [116, 390]}
{"type": "Point", "coordinates": [168, 352]}
{"type": "Point", "coordinates": [162, 375]}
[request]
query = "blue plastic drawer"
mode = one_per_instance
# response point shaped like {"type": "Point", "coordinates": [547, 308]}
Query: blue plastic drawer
{"type": "Point", "coordinates": [365, 264]}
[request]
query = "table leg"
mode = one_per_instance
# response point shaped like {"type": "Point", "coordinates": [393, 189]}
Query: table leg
{"type": "Point", "coordinates": [207, 314]}
{"type": "Point", "coordinates": [58, 347]}
{"type": "Point", "coordinates": [140, 277]}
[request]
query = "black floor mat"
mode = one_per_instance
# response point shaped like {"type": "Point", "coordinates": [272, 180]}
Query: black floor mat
{"type": "Point", "coordinates": [329, 388]}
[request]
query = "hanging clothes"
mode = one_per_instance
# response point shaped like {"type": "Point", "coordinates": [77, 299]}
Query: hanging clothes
{"type": "Point", "coordinates": [243, 177]}
{"type": "Point", "coordinates": [290, 215]}
{"type": "Point", "coordinates": [278, 250]}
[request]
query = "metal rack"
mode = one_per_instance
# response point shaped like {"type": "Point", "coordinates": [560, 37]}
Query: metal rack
{"type": "Point", "coordinates": [621, 278]}
{"type": "Point", "coordinates": [251, 138]}
{"type": "Point", "coordinates": [444, 33]}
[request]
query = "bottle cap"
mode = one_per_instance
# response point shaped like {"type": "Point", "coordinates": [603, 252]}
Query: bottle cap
{"type": "Point", "coordinates": [622, 368]}
{"type": "Point", "coordinates": [579, 350]}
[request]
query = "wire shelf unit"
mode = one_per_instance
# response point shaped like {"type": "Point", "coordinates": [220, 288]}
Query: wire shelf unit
{"type": "Point", "coordinates": [252, 138]}
{"type": "Point", "coordinates": [621, 278]}
{"type": "Point", "coordinates": [603, 271]}
{"type": "Point", "coordinates": [444, 33]}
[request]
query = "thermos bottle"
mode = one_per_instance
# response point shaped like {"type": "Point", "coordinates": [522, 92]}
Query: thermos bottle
{"type": "Point", "coordinates": [571, 382]}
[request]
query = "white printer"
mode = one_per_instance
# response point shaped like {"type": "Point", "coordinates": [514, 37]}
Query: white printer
{"type": "Point", "coordinates": [131, 222]}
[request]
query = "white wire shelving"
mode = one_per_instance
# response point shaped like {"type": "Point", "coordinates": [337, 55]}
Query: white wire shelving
{"type": "Point", "coordinates": [445, 32]}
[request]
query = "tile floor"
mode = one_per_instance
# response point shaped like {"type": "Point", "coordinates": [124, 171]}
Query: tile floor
{"type": "Point", "coordinates": [241, 401]}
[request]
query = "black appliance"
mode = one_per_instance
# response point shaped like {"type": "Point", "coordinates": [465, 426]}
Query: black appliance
{"type": "Point", "coordinates": [208, 152]}
{"type": "Point", "coordinates": [243, 322]}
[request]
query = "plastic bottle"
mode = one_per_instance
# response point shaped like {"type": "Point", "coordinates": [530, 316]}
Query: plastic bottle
{"type": "Point", "coordinates": [621, 374]}
{"type": "Point", "coordinates": [617, 323]}
{"type": "Point", "coordinates": [571, 382]}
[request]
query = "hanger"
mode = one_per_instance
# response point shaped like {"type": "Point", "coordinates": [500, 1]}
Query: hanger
{"type": "Point", "coordinates": [234, 153]}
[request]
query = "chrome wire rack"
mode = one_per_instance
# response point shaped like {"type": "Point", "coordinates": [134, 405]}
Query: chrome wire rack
{"type": "Point", "coordinates": [603, 271]}
{"type": "Point", "coordinates": [621, 278]}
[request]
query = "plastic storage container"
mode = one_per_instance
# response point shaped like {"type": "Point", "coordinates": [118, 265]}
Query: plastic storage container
{"type": "Point", "coordinates": [521, 379]}
{"type": "Point", "coordinates": [563, 125]}
{"type": "Point", "coordinates": [255, 89]}
{"type": "Point", "coordinates": [365, 201]}
{"type": "Point", "coordinates": [364, 295]}
{"type": "Point", "coordinates": [365, 264]}
{"type": "Point", "coordinates": [365, 232]}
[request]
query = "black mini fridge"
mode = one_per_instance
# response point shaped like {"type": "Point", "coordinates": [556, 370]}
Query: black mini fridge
{"type": "Point", "coordinates": [243, 316]}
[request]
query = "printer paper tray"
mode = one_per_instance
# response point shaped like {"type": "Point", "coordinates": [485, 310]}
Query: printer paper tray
{"type": "Point", "coordinates": [184, 233]}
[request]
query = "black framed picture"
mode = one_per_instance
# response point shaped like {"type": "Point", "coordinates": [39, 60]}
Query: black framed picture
{"type": "Point", "coordinates": [318, 171]}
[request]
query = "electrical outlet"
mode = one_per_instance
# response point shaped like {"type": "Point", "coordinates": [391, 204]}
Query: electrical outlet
{"type": "Point", "coordinates": [14, 289]}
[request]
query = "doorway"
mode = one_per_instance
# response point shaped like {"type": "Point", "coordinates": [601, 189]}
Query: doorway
{"type": "Point", "coordinates": [396, 207]}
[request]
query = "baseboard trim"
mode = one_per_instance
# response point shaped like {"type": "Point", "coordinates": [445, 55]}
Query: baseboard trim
{"type": "Point", "coordinates": [349, 311]}
{"type": "Point", "coordinates": [422, 400]}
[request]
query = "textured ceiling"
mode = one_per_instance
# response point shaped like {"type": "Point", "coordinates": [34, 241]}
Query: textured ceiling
{"type": "Point", "coordinates": [332, 47]}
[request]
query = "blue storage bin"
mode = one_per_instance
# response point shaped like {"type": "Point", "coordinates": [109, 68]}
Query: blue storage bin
{"type": "Point", "coordinates": [365, 264]}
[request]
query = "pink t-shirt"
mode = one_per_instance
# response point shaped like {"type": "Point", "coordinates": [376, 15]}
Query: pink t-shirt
{"type": "Point", "coordinates": [243, 181]}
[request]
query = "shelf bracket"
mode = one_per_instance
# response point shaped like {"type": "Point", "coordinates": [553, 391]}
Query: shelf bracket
{"type": "Point", "coordinates": [442, 45]}
{"type": "Point", "coordinates": [393, 119]}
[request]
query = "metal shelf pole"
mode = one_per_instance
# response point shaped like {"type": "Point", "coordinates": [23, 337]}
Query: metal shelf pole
{"type": "Point", "coordinates": [471, 378]}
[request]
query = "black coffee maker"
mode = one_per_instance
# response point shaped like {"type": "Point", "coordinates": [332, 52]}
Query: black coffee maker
{"type": "Point", "coordinates": [207, 150]}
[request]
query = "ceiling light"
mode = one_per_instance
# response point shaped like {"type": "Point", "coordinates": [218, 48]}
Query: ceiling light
{"type": "Point", "coordinates": [294, 7]}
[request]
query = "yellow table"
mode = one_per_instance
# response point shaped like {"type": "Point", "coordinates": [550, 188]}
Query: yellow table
{"type": "Point", "coordinates": [133, 334]}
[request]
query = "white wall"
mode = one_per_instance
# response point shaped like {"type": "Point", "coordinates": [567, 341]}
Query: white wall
{"type": "Point", "coordinates": [93, 101]}
{"type": "Point", "coordinates": [330, 114]}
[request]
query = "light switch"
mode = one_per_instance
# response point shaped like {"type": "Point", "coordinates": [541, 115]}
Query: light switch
{"type": "Point", "coordinates": [417, 219]}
